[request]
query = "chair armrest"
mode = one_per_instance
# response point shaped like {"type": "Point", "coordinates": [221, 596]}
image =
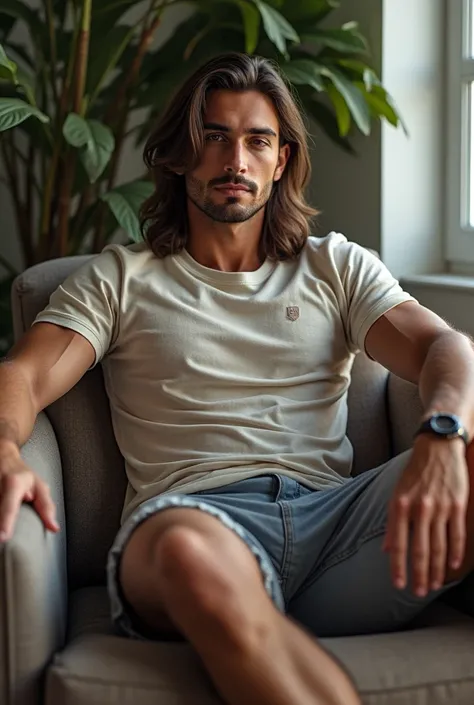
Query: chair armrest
{"type": "Point", "coordinates": [33, 583]}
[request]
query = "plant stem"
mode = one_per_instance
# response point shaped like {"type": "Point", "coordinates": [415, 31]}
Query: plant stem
{"type": "Point", "coordinates": [121, 107]}
{"type": "Point", "coordinates": [10, 166]}
{"type": "Point", "coordinates": [52, 47]}
{"type": "Point", "coordinates": [47, 215]}
{"type": "Point", "coordinates": [82, 57]}
{"type": "Point", "coordinates": [64, 206]}
{"type": "Point", "coordinates": [29, 169]}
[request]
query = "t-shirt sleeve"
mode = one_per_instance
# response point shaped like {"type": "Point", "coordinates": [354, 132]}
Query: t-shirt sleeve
{"type": "Point", "coordinates": [88, 302]}
{"type": "Point", "coordinates": [370, 291]}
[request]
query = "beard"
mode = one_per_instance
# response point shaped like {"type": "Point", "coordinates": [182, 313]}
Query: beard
{"type": "Point", "coordinates": [232, 210]}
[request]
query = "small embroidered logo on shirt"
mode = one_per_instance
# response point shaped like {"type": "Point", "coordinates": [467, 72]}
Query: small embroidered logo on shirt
{"type": "Point", "coordinates": [292, 313]}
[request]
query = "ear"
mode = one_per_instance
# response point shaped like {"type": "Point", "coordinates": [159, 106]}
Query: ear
{"type": "Point", "coordinates": [283, 157]}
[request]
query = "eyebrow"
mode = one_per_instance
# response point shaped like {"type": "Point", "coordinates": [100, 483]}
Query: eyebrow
{"type": "Point", "coordinates": [249, 131]}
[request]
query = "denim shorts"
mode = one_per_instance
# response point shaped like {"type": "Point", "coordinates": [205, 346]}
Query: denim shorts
{"type": "Point", "coordinates": [319, 551]}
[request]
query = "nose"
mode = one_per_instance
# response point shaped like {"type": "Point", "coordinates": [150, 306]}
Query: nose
{"type": "Point", "coordinates": [235, 159]}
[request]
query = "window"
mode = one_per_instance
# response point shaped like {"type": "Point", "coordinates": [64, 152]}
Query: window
{"type": "Point", "coordinates": [460, 135]}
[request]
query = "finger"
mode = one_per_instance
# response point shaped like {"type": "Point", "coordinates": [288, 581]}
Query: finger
{"type": "Point", "coordinates": [13, 490]}
{"type": "Point", "coordinates": [399, 540]}
{"type": "Point", "coordinates": [439, 550]}
{"type": "Point", "coordinates": [45, 506]}
{"type": "Point", "coordinates": [421, 551]}
{"type": "Point", "coordinates": [457, 535]}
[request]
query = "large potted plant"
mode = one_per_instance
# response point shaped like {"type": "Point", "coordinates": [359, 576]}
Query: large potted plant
{"type": "Point", "coordinates": [92, 77]}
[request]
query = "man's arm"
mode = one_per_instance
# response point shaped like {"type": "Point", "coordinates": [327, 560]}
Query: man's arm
{"type": "Point", "coordinates": [41, 367]}
{"type": "Point", "coordinates": [417, 345]}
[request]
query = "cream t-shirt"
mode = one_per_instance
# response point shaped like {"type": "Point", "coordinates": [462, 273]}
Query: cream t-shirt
{"type": "Point", "coordinates": [214, 377]}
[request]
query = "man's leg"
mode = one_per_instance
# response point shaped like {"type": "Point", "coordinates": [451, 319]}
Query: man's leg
{"type": "Point", "coordinates": [182, 568]}
{"type": "Point", "coordinates": [350, 589]}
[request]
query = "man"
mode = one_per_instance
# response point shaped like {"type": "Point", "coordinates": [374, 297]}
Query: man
{"type": "Point", "coordinates": [227, 339]}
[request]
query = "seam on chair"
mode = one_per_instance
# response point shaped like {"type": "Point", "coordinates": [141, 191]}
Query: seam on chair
{"type": "Point", "coordinates": [418, 686]}
{"type": "Point", "coordinates": [63, 673]}
{"type": "Point", "coordinates": [66, 676]}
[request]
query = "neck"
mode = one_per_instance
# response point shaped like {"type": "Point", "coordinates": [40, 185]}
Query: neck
{"type": "Point", "coordinates": [228, 247]}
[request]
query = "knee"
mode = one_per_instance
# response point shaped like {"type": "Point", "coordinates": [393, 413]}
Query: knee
{"type": "Point", "coordinates": [186, 561]}
{"type": "Point", "coordinates": [200, 582]}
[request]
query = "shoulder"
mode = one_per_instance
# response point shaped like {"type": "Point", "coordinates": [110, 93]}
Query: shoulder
{"type": "Point", "coordinates": [120, 261]}
{"type": "Point", "coordinates": [336, 252]}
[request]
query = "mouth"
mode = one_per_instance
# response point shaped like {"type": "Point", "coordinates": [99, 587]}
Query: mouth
{"type": "Point", "coordinates": [232, 189]}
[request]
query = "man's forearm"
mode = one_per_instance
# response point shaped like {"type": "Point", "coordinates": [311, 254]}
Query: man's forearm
{"type": "Point", "coordinates": [447, 378]}
{"type": "Point", "coordinates": [17, 408]}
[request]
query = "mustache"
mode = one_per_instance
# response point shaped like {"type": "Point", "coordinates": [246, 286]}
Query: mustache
{"type": "Point", "coordinates": [237, 180]}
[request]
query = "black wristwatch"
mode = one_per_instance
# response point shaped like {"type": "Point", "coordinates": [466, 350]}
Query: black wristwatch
{"type": "Point", "coordinates": [444, 425]}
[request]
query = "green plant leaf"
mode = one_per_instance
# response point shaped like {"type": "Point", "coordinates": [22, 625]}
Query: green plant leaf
{"type": "Point", "coordinates": [20, 11]}
{"type": "Point", "coordinates": [327, 121]}
{"type": "Point", "coordinates": [105, 52]}
{"type": "Point", "coordinates": [8, 68]}
{"type": "Point", "coordinates": [14, 111]}
{"type": "Point", "coordinates": [110, 11]}
{"type": "Point", "coordinates": [343, 115]}
{"type": "Point", "coordinates": [251, 20]}
{"type": "Point", "coordinates": [345, 40]}
{"type": "Point", "coordinates": [277, 28]}
{"type": "Point", "coordinates": [20, 52]}
{"type": "Point", "coordinates": [304, 72]}
{"type": "Point", "coordinates": [125, 203]}
{"type": "Point", "coordinates": [95, 141]}
{"type": "Point", "coordinates": [27, 82]}
{"type": "Point", "coordinates": [361, 69]}
{"type": "Point", "coordinates": [353, 97]}
{"type": "Point", "coordinates": [383, 105]}
{"type": "Point", "coordinates": [308, 12]}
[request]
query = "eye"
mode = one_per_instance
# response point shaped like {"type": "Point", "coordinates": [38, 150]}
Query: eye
{"type": "Point", "coordinates": [260, 143]}
{"type": "Point", "coordinates": [213, 137]}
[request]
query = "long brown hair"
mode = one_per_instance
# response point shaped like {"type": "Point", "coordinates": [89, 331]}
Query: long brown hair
{"type": "Point", "coordinates": [178, 140]}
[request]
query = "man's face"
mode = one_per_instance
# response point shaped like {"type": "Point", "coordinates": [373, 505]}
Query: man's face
{"type": "Point", "coordinates": [241, 149]}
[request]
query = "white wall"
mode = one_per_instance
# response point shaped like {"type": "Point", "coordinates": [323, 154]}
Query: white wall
{"type": "Point", "coordinates": [412, 168]}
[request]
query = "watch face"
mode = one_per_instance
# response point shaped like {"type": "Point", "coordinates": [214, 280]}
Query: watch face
{"type": "Point", "coordinates": [445, 424]}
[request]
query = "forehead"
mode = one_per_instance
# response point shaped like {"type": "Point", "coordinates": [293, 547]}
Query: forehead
{"type": "Point", "coordinates": [240, 110]}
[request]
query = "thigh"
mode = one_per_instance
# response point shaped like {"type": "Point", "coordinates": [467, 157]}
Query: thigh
{"type": "Point", "coordinates": [350, 590]}
{"type": "Point", "coordinates": [133, 579]}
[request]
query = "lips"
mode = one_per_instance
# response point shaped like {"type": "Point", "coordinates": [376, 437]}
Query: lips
{"type": "Point", "coordinates": [232, 187]}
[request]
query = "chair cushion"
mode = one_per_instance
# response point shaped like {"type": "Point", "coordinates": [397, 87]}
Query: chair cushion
{"type": "Point", "coordinates": [404, 668]}
{"type": "Point", "coordinates": [93, 468]}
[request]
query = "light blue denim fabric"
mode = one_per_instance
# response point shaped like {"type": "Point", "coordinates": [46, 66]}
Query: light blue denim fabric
{"type": "Point", "coordinates": [320, 552]}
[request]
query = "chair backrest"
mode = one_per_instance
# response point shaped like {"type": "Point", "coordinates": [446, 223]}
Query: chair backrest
{"type": "Point", "coordinates": [93, 468]}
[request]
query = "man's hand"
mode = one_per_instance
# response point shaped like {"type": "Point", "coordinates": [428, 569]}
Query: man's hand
{"type": "Point", "coordinates": [429, 504]}
{"type": "Point", "coordinates": [19, 484]}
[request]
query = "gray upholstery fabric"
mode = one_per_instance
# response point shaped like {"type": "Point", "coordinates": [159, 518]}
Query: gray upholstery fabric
{"type": "Point", "coordinates": [94, 475]}
{"type": "Point", "coordinates": [33, 586]}
{"type": "Point", "coordinates": [429, 664]}
{"type": "Point", "coordinates": [367, 425]}
{"type": "Point", "coordinates": [405, 668]}
{"type": "Point", "coordinates": [404, 411]}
